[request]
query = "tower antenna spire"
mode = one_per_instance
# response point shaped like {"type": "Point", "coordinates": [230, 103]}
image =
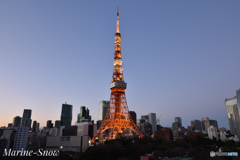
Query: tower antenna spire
{"type": "Point", "coordinates": [117, 20]}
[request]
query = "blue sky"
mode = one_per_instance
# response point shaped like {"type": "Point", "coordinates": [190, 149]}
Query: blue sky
{"type": "Point", "coordinates": [181, 58]}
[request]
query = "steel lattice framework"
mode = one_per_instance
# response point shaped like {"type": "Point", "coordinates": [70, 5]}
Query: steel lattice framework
{"type": "Point", "coordinates": [117, 119]}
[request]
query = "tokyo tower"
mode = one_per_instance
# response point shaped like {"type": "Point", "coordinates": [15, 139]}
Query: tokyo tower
{"type": "Point", "coordinates": [117, 119]}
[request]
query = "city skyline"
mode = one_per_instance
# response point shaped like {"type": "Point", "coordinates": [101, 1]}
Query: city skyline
{"type": "Point", "coordinates": [180, 59]}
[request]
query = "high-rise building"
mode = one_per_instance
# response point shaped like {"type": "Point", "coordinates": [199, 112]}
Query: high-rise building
{"type": "Point", "coordinates": [49, 124]}
{"type": "Point", "coordinates": [175, 126]}
{"type": "Point", "coordinates": [66, 115]}
{"type": "Point", "coordinates": [152, 120]}
{"type": "Point", "coordinates": [58, 123]}
{"type": "Point", "coordinates": [134, 116]}
{"type": "Point", "coordinates": [37, 127]}
{"type": "Point", "coordinates": [87, 114]}
{"type": "Point", "coordinates": [212, 132]}
{"type": "Point", "coordinates": [83, 115]}
{"type": "Point", "coordinates": [146, 128]}
{"type": "Point", "coordinates": [20, 138]}
{"type": "Point", "coordinates": [103, 107]}
{"type": "Point", "coordinates": [205, 123]}
{"type": "Point", "coordinates": [145, 117]}
{"type": "Point", "coordinates": [26, 118]}
{"type": "Point", "coordinates": [34, 126]}
{"type": "Point", "coordinates": [179, 120]}
{"type": "Point", "coordinates": [17, 121]}
{"type": "Point", "coordinates": [233, 116]}
{"type": "Point", "coordinates": [238, 100]}
{"type": "Point", "coordinates": [99, 123]}
{"type": "Point", "coordinates": [196, 125]}
{"type": "Point", "coordinates": [213, 123]}
{"type": "Point", "coordinates": [139, 122]}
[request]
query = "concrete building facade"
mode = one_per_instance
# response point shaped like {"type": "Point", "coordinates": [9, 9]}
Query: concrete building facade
{"type": "Point", "coordinates": [196, 125]}
{"type": "Point", "coordinates": [212, 132]}
{"type": "Point", "coordinates": [179, 120]}
{"type": "Point", "coordinates": [153, 121]}
{"type": "Point", "coordinates": [103, 107]}
{"type": "Point", "coordinates": [17, 121]}
{"type": "Point", "coordinates": [134, 116]}
{"type": "Point", "coordinates": [233, 116]}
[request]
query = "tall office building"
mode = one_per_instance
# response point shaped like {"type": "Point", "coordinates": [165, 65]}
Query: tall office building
{"type": "Point", "coordinates": [205, 123]}
{"type": "Point", "coordinates": [175, 126]}
{"type": "Point", "coordinates": [103, 107]}
{"type": "Point", "coordinates": [233, 116]}
{"type": "Point", "coordinates": [212, 132]}
{"type": "Point", "coordinates": [146, 128]}
{"type": "Point", "coordinates": [26, 118]}
{"type": "Point", "coordinates": [152, 120]}
{"type": "Point", "coordinates": [179, 120]}
{"type": "Point", "coordinates": [213, 123]}
{"type": "Point", "coordinates": [238, 100]}
{"type": "Point", "coordinates": [34, 126]}
{"type": "Point", "coordinates": [139, 122]}
{"type": "Point", "coordinates": [134, 116]}
{"type": "Point", "coordinates": [37, 127]}
{"type": "Point", "coordinates": [17, 121]}
{"type": "Point", "coordinates": [58, 123]}
{"type": "Point", "coordinates": [83, 115]}
{"type": "Point", "coordinates": [145, 117]}
{"type": "Point", "coordinates": [49, 124]}
{"type": "Point", "coordinates": [196, 125]}
{"type": "Point", "coordinates": [87, 113]}
{"type": "Point", "coordinates": [20, 138]}
{"type": "Point", "coordinates": [66, 115]}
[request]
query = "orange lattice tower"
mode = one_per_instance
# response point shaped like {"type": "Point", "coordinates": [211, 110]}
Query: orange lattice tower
{"type": "Point", "coordinates": [117, 119]}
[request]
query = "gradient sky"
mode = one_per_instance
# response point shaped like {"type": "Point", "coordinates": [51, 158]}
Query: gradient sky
{"type": "Point", "coordinates": [181, 58]}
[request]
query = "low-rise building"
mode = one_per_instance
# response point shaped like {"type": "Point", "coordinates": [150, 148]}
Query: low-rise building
{"type": "Point", "coordinates": [68, 143]}
{"type": "Point", "coordinates": [163, 133]}
{"type": "Point", "coordinates": [75, 138]}
{"type": "Point", "coordinates": [146, 128]}
{"type": "Point", "coordinates": [3, 145]}
{"type": "Point", "coordinates": [34, 141]}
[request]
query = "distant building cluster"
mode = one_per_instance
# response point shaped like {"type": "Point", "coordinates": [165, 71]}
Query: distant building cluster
{"type": "Point", "coordinates": [62, 136]}
{"type": "Point", "coordinates": [23, 134]}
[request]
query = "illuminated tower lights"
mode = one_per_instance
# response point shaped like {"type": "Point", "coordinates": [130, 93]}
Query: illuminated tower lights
{"type": "Point", "coordinates": [118, 118]}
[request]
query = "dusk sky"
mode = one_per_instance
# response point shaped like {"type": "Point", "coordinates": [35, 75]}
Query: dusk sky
{"type": "Point", "coordinates": [181, 58]}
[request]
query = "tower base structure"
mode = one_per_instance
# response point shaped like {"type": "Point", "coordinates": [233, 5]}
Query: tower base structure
{"type": "Point", "coordinates": [117, 121]}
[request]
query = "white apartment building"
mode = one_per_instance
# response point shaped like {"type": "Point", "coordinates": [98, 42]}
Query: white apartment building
{"type": "Point", "coordinates": [212, 132]}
